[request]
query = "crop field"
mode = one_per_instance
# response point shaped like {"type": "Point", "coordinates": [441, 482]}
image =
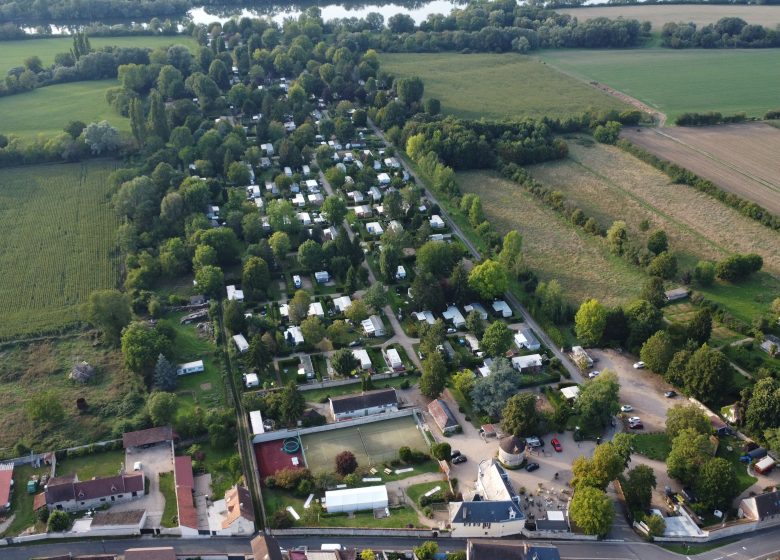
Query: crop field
{"type": "Point", "coordinates": [47, 110]}
{"type": "Point", "coordinates": [58, 244]}
{"type": "Point", "coordinates": [739, 158]}
{"type": "Point", "coordinates": [13, 53]}
{"type": "Point", "coordinates": [371, 443]}
{"type": "Point", "coordinates": [701, 14]}
{"type": "Point", "coordinates": [676, 81]}
{"type": "Point", "coordinates": [496, 86]}
{"type": "Point", "coordinates": [610, 185]}
{"type": "Point", "coordinates": [28, 369]}
{"type": "Point", "coordinates": [552, 247]}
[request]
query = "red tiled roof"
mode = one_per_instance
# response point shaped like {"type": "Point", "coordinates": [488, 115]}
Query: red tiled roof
{"type": "Point", "coordinates": [182, 471]}
{"type": "Point", "coordinates": [147, 437]}
{"type": "Point", "coordinates": [39, 501]}
{"type": "Point", "coordinates": [239, 504]}
{"type": "Point", "coordinates": [6, 477]}
{"type": "Point", "coordinates": [188, 515]}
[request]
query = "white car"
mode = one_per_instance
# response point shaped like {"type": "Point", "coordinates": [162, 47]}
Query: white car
{"type": "Point", "coordinates": [593, 374]}
{"type": "Point", "coordinates": [634, 420]}
{"type": "Point", "coordinates": [626, 408]}
{"type": "Point", "coordinates": [297, 281]}
{"type": "Point", "coordinates": [639, 365]}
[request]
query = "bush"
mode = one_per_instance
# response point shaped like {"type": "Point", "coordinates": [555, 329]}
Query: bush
{"type": "Point", "coordinates": [58, 521]}
{"type": "Point", "coordinates": [346, 463]}
{"type": "Point", "coordinates": [281, 519]}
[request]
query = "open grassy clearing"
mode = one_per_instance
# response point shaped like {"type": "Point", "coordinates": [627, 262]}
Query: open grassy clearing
{"type": "Point", "coordinates": [653, 446]}
{"type": "Point", "coordinates": [87, 467]}
{"type": "Point", "coordinates": [676, 81]}
{"type": "Point", "coordinates": [168, 490]}
{"type": "Point", "coordinates": [26, 369]}
{"type": "Point", "coordinates": [48, 109]}
{"type": "Point", "coordinates": [552, 247]}
{"type": "Point", "coordinates": [496, 86]}
{"type": "Point", "coordinates": [13, 53]}
{"type": "Point", "coordinates": [700, 14]}
{"type": "Point", "coordinates": [740, 158]}
{"type": "Point", "coordinates": [58, 235]}
{"type": "Point", "coordinates": [612, 185]}
{"type": "Point", "coordinates": [684, 312]}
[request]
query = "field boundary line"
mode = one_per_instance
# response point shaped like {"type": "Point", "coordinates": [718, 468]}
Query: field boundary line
{"type": "Point", "coordinates": [764, 182]}
{"type": "Point", "coordinates": [650, 207]}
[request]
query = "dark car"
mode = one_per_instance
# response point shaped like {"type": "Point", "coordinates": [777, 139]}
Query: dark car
{"type": "Point", "coordinates": [454, 453]}
{"type": "Point", "coordinates": [636, 426]}
{"type": "Point", "coordinates": [531, 467]}
{"type": "Point", "coordinates": [355, 343]}
{"type": "Point", "coordinates": [459, 459]}
{"type": "Point", "coordinates": [670, 394]}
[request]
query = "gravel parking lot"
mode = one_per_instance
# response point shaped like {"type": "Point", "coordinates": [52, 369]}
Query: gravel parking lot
{"type": "Point", "coordinates": [154, 460]}
{"type": "Point", "coordinates": [639, 388]}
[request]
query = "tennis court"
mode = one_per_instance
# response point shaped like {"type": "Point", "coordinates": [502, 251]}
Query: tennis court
{"type": "Point", "coordinates": [372, 443]}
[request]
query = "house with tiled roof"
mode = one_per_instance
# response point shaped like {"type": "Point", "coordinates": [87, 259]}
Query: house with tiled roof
{"type": "Point", "coordinates": [185, 488]}
{"type": "Point", "coordinates": [6, 486]}
{"type": "Point", "coordinates": [234, 514]}
{"type": "Point", "coordinates": [67, 493]}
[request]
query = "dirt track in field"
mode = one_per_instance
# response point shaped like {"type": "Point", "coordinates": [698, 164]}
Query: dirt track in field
{"type": "Point", "coordinates": [743, 159]}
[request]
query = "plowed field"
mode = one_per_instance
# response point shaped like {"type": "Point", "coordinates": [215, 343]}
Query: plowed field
{"type": "Point", "coordinates": [743, 158]}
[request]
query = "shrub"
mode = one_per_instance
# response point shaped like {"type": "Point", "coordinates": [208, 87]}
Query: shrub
{"type": "Point", "coordinates": [58, 521]}
{"type": "Point", "coordinates": [281, 519]}
{"type": "Point", "coordinates": [346, 463]}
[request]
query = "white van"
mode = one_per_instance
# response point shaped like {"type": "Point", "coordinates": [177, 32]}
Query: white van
{"type": "Point", "coordinates": [330, 547]}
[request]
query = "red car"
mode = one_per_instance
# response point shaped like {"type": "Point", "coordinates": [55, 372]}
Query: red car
{"type": "Point", "coordinates": [556, 445]}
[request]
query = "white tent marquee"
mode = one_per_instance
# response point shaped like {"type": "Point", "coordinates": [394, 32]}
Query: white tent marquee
{"type": "Point", "coordinates": [356, 499]}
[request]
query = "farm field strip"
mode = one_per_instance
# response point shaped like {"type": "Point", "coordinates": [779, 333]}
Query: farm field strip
{"type": "Point", "coordinates": [552, 246]}
{"type": "Point", "coordinates": [613, 185]}
{"type": "Point", "coordinates": [738, 158]}
{"type": "Point", "coordinates": [701, 14]}
{"type": "Point", "coordinates": [678, 81]}
{"type": "Point", "coordinates": [58, 245]}
{"type": "Point", "coordinates": [497, 86]}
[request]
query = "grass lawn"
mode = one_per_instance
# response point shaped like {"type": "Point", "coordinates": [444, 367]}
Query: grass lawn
{"type": "Point", "coordinates": [221, 477]}
{"type": "Point", "coordinates": [206, 389]}
{"type": "Point", "coordinates": [676, 81]}
{"type": "Point", "coordinates": [751, 359]}
{"type": "Point", "coordinates": [684, 312]}
{"type": "Point", "coordinates": [743, 478]}
{"type": "Point", "coordinates": [87, 467]}
{"type": "Point", "coordinates": [745, 300]}
{"type": "Point", "coordinates": [169, 493]}
{"type": "Point", "coordinates": [13, 53]}
{"type": "Point", "coordinates": [317, 395]}
{"type": "Point", "coordinates": [553, 248]}
{"type": "Point", "coordinates": [56, 220]}
{"type": "Point", "coordinates": [653, 446]}
{"type": "Point", "coordinates": [416, 490]}
{"type": "Point", "coordinates": [48, 109]}
{"type": "Point", "coordinates": [22, 502]}
{"type": "Point", "coordinates": [399, 518]}
{"type": "Point", "coordinates": [691, 549]}
{"type": "Point", "coordinates": [497, 86]}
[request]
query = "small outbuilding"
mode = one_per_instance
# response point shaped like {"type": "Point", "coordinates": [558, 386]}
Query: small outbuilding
{"type": "Point", "coordinates": [525, 338]}
{"type": "Point", "coordinates": [511, 451]}
{"type": "Point", "coordinates": [190, 367]}
{"type": "Point", "coordinates": [502, 308]}
{"type": "Point", "coordinates": [241, 342]}
{"type": "Point", "coordinates": [373, 326]}
{"type": "Point", "coordinates": [443, 416]}
{"type": "Point", "coordinates": [677, 294]}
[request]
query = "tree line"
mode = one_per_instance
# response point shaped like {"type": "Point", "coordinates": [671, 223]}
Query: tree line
{"type": "Point", "coordinates": [728, 32]}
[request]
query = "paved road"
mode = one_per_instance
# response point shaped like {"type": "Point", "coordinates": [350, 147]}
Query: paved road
{"type": "Point", "coordinates": [510, 297]}
{"type": "Point", "coordinates": [759, 546]}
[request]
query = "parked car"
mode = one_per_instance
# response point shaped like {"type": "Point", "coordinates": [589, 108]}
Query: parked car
{"type": "Point", "coordinates": [593, 374]}
{"type": "Point", "coordinates": [297, 281]}
{"type": "Point", "coordinates": [451, 331]}
{"type": "Point", "coordinates": [459, 459]}
{"type": "Point", "coordinates": [531, 467]}
{"type": "Point", "coordinates": [634, 419]}
{"type": "Point", "coordinates": [556, 445]}
{"type": "Point", "coordinates": [670, 394]}
{"type": "Point", "coordinates": [626, 408]}
{"type": "Point", "coordinates": [639, 365]}
{"type": "Point", "coordinates": [534, 441]}
{"type": "Point", "coordinates": [454, 453]}
{"type": "Point", "coordinates": [137, 466]}
{"type": "Point", "coordinates": [636, 426]}
{"type": "Point", "coordinates": [354, 343]}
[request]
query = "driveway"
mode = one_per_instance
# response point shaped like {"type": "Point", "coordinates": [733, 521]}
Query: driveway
{"type": "Point", "coordinates": [639, 388]}
{"type": "Point", "coordinates": [154, 460]}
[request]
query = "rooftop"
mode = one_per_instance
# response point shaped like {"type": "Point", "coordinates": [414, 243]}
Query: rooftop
{"type": "Point", "coordinates": [147, 437]}
{"type": "Point", "coordinates": [368, 399]}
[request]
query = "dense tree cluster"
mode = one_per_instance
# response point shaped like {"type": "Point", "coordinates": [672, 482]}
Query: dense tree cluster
{"type": "Point", "coordinates": [728, 32]}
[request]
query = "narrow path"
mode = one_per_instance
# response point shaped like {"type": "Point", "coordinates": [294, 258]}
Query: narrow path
{"type": "Point", "coordinates": [633, 101]}
{"type": "Point", "coordinates": [509, 296]}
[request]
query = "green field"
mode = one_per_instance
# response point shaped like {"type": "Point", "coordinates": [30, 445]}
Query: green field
{"type": "Point", "coordinates": [95, 465]}
{"type": "Point", "coordinates": [58, 235]}
{"type": "Point", "coordinates": [495, 86]}
{"type": "Point", "coordinates": [676, 81]}
{"type": "Point", "coordinates": [13, 53]}
{"type": "Point", "coordinates": [48, 109]}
